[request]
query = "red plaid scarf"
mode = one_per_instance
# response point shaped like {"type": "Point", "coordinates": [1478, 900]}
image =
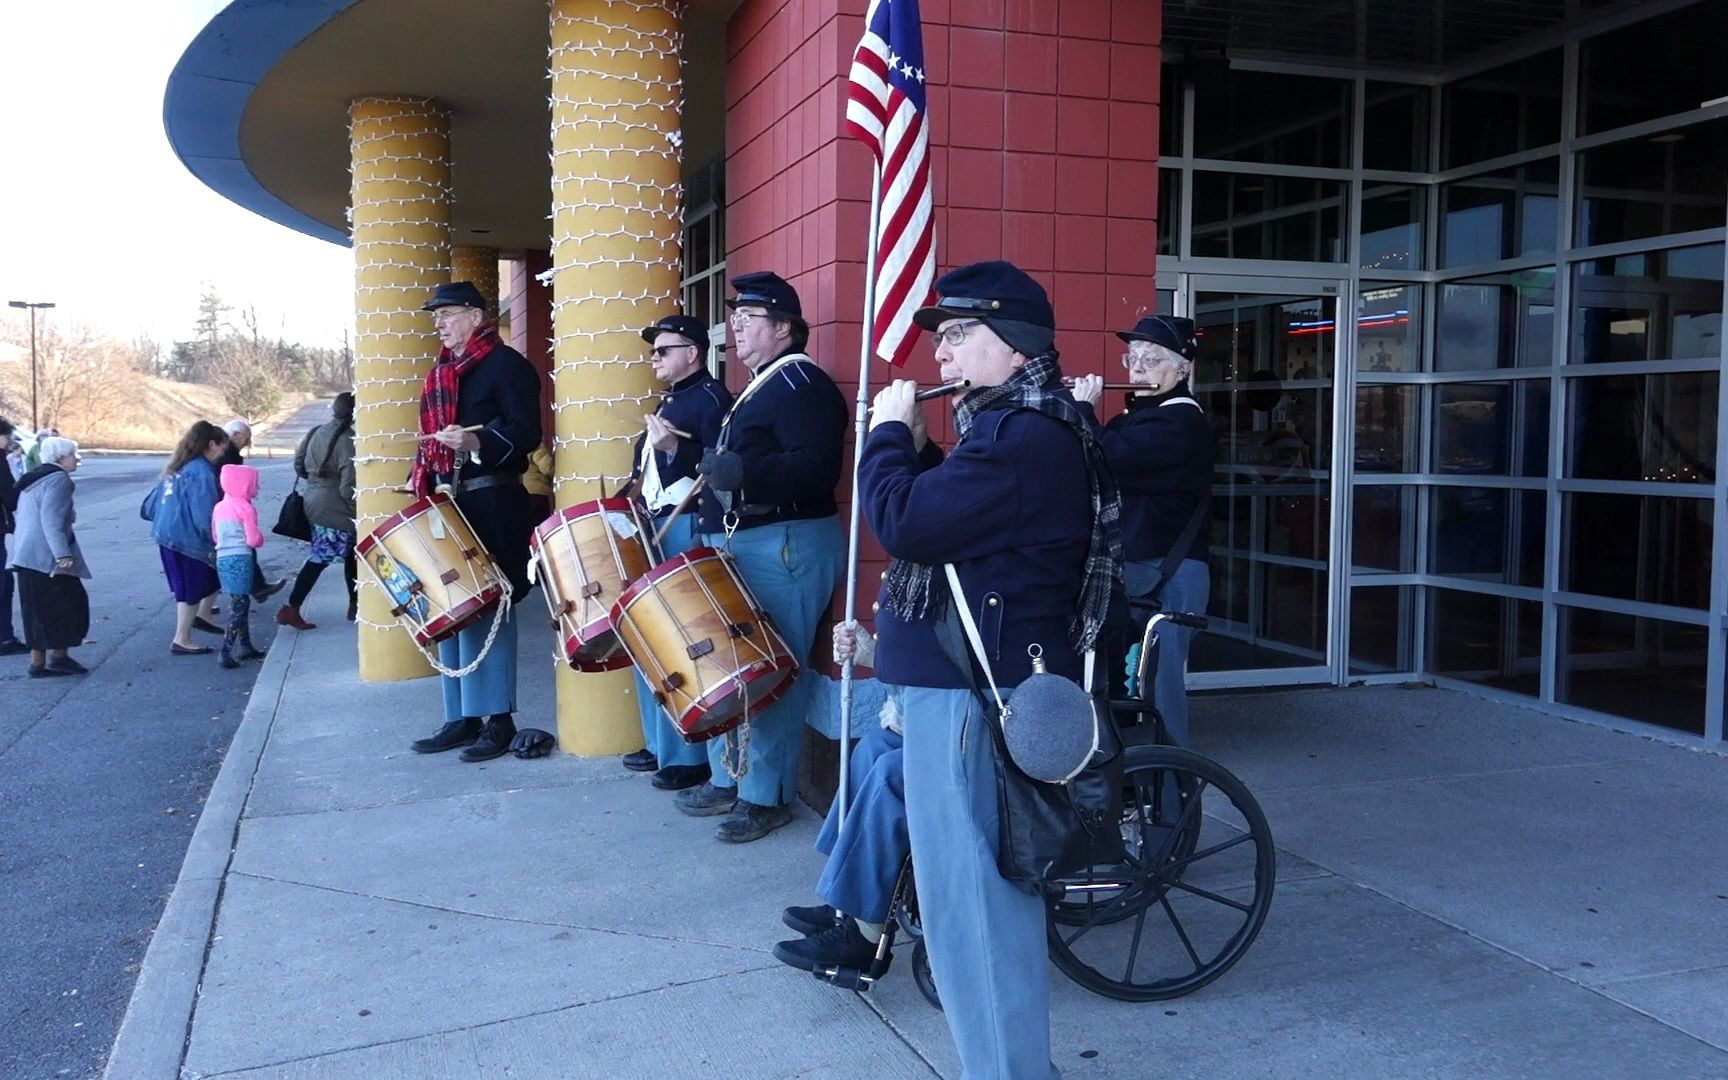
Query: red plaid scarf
{"type": "Point", "coordinates": [438, 405]}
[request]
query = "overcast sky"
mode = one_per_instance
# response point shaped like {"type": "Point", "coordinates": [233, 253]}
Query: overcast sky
{"type": "Point", "coordinates": [96, 212]}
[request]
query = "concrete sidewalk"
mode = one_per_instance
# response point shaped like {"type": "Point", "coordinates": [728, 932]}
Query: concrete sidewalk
{"type": "Point", "coordinates": [1465, 889]}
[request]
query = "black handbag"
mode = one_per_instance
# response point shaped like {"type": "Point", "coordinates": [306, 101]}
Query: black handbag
{"type": "Point", "coordinates": [1047, 831]}
{"type": "Point", "coordinates": [291, 520]}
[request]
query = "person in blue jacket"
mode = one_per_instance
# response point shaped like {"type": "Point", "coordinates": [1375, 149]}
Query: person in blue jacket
{"type": "Point", "coordinates": [1162, 449]}
{"type": "Point", "coordinates": [481, 383]}
{"type": "Point", "coordinates": [773, 472]}
{"type": "Point", "coordinates": [179, 513]}
{"type": "Point", "coordinates": [1026, 510]}
{"type": "Point", "coordinates": [686, 423]}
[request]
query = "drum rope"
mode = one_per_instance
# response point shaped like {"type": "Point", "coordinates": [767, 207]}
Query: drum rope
{"type": "Point", "coordinates": [498, 616]}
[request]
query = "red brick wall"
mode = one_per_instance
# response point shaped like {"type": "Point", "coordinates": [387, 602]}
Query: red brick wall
{"type": "Point", "coordinates": [1044, 136]}
{"type": "Point", "coordinates": [530, 306]}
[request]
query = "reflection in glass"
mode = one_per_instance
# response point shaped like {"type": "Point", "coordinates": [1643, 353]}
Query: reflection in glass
{"type": "Point", "coordinates": [1395, 127]}
{"type": "Point", "coordinates": [1488, 534]}
{"type": "Point", "coordinates": [1492, 428]}
{"type": "Point", "coordinates": [1386, 429]}
{"type": "Point", "coordinates": [1382, 629]}
{"type": "Point", "coordinates": [1659, 305]}
{"type": "Point", "coordinates": [1250, 216]}
{"type": "Point", "coordinates": [1389, 328]}
{"type": "Point", "coordinates": [1649, 670]}
{"type": "Point", "coordinates": [1392, 227]}
{"type": "Point", "coordinates": [1169, 209]}
{"type": "Point", "coordinates": [1281, 119]}
{"type": "Point", "coordinates": [1264, 372]}
{"type": "Point", "coordinates": [1503, 111]}
{"type": "Point", "coordinates": [1655, 67]}
{"type": "Point", "coordinates": [1502, 320]}
{"type": "Point", "coordinates": [1169, 110]}
{"type": "Point", "coordinates": [1491, 640]}
{"type": "Point", "coordinates": [1658, 428]}
{"type": "Point", "coordinates": [1638, 547]}
{"type": "Point", "coordinates": [1500, 215]}
{"type": "Point", "coordinates": [1383, 519]}
{"type": "Point", "coordinates": [1654, 185]}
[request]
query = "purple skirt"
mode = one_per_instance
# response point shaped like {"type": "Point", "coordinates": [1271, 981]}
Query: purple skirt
{"type": "Point", "coordinates": [190, 579]}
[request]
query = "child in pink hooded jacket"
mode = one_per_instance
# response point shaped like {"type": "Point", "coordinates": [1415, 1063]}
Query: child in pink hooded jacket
{"type": "Point", "coordinates": [234, 527]}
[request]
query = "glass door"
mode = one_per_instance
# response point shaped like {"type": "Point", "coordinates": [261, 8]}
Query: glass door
{"type": "Point", "coordinates": [1266, 375]}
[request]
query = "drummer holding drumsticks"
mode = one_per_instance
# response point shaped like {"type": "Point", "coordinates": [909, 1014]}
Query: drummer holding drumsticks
{"type": "Point", "coordinates": [480, 411]}
{"type": "Point", "coordinates": [686, 423]}
{"type": "Point", "coordinates": [774, 470]}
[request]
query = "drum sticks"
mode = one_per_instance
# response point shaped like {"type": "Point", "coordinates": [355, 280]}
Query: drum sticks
{"type": "Point", "coordinates": [683, 504]}
{"type": "Point", "coordinates": [434, 435]}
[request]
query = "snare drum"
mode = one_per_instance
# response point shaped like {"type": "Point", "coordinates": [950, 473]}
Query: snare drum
{"type": "Point", "coordinates": [438, 575]}
{"type": "Point", "coordinates": [587, 554]}
{"type": "Point", "coordinates": [705, 647]}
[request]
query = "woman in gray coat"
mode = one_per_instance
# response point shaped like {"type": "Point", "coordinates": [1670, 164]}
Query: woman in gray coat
{"type": "Point", "coordinates": [48, 563]}
{"type": "Point", "coordinates": [325, 462]}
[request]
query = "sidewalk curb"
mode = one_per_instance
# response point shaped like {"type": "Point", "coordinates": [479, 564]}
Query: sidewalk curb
{"type": "Point", "coordinates": [152, 1037]}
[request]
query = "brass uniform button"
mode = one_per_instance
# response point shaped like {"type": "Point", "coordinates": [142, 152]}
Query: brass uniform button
{"type": "Point", "coordinates": [884, 575]}
{"type": "Point", "coordinates": [876, 608]}
{"type": "Point", "coordinates": [993, 601]}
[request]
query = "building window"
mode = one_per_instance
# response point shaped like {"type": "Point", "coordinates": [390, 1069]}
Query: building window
{"type": "Point", "coordinates": [704, 281]}
{"type": "Point", "coordinates": [1395, 127]}
{"type": "Point", "coordinates": [1490, 640]}
{"type": "Point", "coordinates": [1492, 428]}
{"type": "Point", "coordinates": [1656, 305]}
{"type": "Point", "coordinates": [1650, 548]}
{"type": "Point", "coordinates": [1654, 68]}
{"type": "Point", "coordinates": [1273, 118]}
{"type": "Point", "coordinates": [1503, 111]}
{"type": "Point", "coordinates": [1655, 185]}
{"type": "Point", "coordinates": [1500, 215]}
{"type": "Point", "coordinates": [1504, 320]}
{"type": "Point", "coordinates": [1257, 216]}
{"type": "Point", "coordinates": [1644, 669]}
{"type": "Point", "coordinates": [1492, 535]}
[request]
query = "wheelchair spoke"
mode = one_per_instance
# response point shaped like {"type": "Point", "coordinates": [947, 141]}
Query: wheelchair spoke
{"type": "Point", "coordinates": [1134, 949]}
{"type": "Point", "coordinates": [1212, 896]}
{"type": "Point", "coordinates": [1164, 901]}
{"type": "Point", "coordinates": [1178, 865]}
{"type": "Point", "coordinates": [1103, 912]}
{"type": "Point", "coordinates": [1187, 820]}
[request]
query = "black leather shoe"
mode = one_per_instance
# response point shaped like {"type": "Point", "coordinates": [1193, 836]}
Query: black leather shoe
{"type": "Point", "coordinates": [65, 665]}
{"type": "Point", "coordinates": [810, 920]}
{"type": "Point", "coordinates": [748, 822]}
{"type": "Point", "coordinates": [201, 623]}
{"type": "Point", "coordinates": [679, 777]}
{"type": "Point", "coordinates": [841, 945]}
{"type": "Point", "coordinates": [456, 733]}
{"type": "Point", "coordinates": [641, 761]}
{"type": "Point", "coordinates": [494, 740]}
{"type": "Point", "coordinates": [706, 800]}
{"type": "Point", "coordinates": [13, 647]}
{"type": "Point", "coordinates": [46, 672]}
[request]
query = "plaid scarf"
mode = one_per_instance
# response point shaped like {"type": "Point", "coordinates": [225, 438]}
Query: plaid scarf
{"type": "Point", "coordinates": [915, 590]}
{"type": "Point", "coordinates": [438, 406]}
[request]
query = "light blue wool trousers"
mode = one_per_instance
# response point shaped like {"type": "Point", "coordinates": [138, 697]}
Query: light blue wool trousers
{"type": "Point", "coordinates": [985, 936]}
{"type": "Point", "coordinates": [1189, 590]}
{"type": "Point", "coordinates": [491, 688]}
{"type": "Point", "coordinates": [659, 734]}
{"type": "Point", "coordinates": [865, 857]}
{"type": "Point", "coordinates": [791, 569]}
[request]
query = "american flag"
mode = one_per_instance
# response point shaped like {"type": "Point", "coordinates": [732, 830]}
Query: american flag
{"type": "Point", "coordinates": [885, 109]}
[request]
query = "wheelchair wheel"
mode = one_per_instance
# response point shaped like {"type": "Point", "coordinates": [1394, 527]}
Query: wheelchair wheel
{"type": "Point", "coordinates": [922, 975]}
{"type": "Point", "coordinates": [1191, 895]}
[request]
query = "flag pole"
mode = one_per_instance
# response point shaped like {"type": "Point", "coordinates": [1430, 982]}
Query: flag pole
{"type": "Point", "coordinates": [860, 424]}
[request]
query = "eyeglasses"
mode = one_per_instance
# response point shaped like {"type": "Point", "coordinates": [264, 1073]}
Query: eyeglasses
{"type": "Point", "coordinates": [1139, 360]}
{"type": "Point", "coordinates": [955, 334]}
{"type": "Point", "coordinates": [445, 314]}
{"type": "Point", "coordinates": [740, 319]}
{"type": "Point", "coordinates": [660, 351]}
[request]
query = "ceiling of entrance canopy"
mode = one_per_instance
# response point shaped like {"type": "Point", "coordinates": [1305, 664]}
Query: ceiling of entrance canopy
{"type": "Point", "coordinates": [487, 62]}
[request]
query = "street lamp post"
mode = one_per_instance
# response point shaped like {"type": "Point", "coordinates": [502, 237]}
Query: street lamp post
{"type": "Point", "coordinates": [33, 306]}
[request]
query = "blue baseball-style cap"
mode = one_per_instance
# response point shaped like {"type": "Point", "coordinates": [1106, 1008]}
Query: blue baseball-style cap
{"type": "Point", "coordinates": [1171, 331]}
{"type": "Point", "coordinates": [686, 326]}
{"type": "Point", "coordinates": [766, 289]}
{"type": "Point", "coordinates": [988, 290]}
{"type": "Point", "coordinates": [455, 294]}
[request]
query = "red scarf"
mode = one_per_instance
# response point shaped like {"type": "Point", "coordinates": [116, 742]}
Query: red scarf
{"type": "Point", "coordinates": [438, 405]}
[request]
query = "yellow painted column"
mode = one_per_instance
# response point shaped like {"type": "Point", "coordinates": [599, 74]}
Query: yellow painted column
{"type": "Point", "coordinates": [480, 266]}
{"type": "Point", "coordinates": [400, 162]}
{"type": "Point", "coordinates": [617, 224]}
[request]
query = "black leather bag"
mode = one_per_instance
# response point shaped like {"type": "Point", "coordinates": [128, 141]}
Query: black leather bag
{"type": "Point", "coordinates": [291, 520]}
{"type": "Point", "coordinates": [1046, 831]}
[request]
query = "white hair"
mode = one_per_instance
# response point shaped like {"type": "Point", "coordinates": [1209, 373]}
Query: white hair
{"type": "Point", "coordinates": [55, 447]}
{"type": "Point", "coordinates": [1160, 353]}
{"type": "Point", "coordinates": [235, 427]}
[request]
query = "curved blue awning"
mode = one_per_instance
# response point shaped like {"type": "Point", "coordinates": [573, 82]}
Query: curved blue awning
{"type": "Point", "coordinates": [211, 84]}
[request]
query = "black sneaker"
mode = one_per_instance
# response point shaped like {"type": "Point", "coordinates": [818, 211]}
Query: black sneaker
{"type": "Point", "coordinates": [749, 821]}
{"type": "Point", "coordinates": [706, 800]}
{"type": "Point", "coordinates": [494, 740]}
{"type": "Point", "coordinates": [811, 920]}
{"type": "Point", "coordinates": [46, 672]}
{"type": "Point", "coordinates": [841, 945]}
{"type": "Point", "coordinates": [456, 733]}
{"type": "Point", "coordinates": [641, 761]}
{"type": "Point", "coordinates": [13, 647]}
{"type": "Point", "coordinates": [679, 777]}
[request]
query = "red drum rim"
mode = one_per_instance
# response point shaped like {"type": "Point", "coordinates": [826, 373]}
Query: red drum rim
{"type": "Point", "coordinates": [719, 693]}
{"type": "Point", "coordinates": [618, 660]}
{"type": "Point", "coordinates": [397, 520]}
{"type": "Point", "coordinates": [655, 575]}
{"type": "Point", "coordinates": [451, 622]}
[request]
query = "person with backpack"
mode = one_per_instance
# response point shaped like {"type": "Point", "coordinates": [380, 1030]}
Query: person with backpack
{"type": "Point", "coordinates": [324, 460]}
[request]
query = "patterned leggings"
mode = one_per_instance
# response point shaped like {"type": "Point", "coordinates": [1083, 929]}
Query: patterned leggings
{"type": "Point", "coordinates": [239, 629]}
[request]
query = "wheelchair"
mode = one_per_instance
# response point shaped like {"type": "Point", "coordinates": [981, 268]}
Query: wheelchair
{"type": "Point", "coordinates": [1183, 905]}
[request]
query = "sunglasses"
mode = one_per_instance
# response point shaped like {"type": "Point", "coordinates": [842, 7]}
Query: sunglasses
{"type": "Point", "coordinates": [660, 351]}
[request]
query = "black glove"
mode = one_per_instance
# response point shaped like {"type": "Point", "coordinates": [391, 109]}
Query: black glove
{"type": "Point", "coordinates": [724, 470]}
{"type": "Point", "coordinates": [531, 742]}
